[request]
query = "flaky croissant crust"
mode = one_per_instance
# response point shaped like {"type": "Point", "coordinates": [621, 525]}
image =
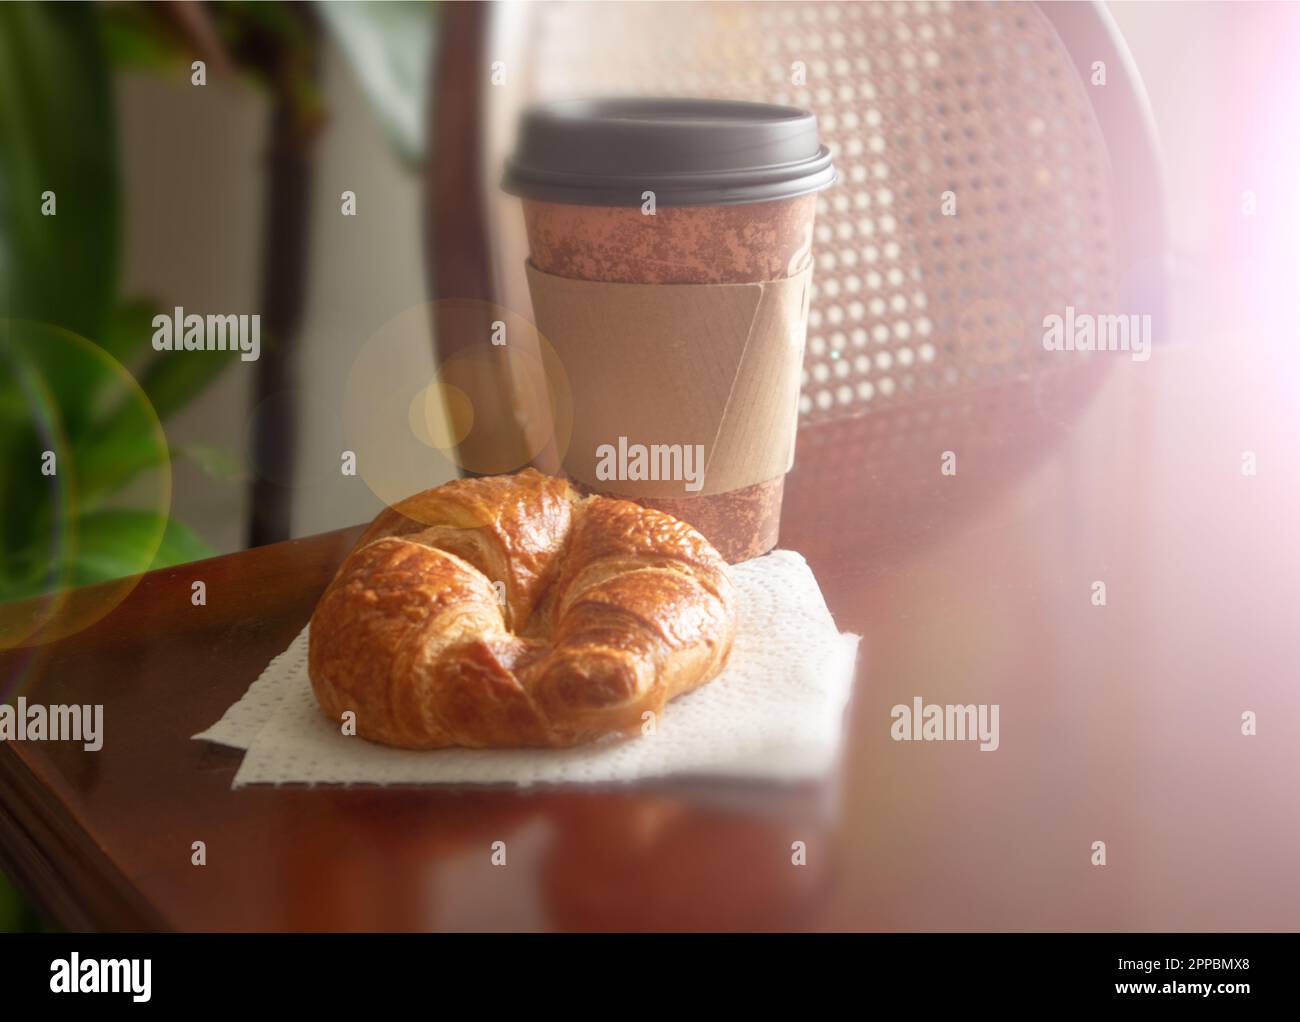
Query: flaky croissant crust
{"type": "Point", "coordinates": [510, 611]}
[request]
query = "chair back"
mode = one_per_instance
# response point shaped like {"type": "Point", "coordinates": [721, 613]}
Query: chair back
{"type": "Point", "coordinates": [976, 191]}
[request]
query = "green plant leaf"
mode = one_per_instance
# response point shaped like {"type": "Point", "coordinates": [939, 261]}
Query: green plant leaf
{"type": "Point", "coordinates": [32, 504]}
{"type": "Point", "coordinates": [122, 442]}
{"type": "Point", "coordinates": [109, 458]}
{"type": "Point", "coordinates": [129, 330]}
{"type": "Point", "coordinates": [180, 545]}
{"type": "Point", "coordinates": [115, 543]}
{"type": "Point", "coordinates": [57, 134]}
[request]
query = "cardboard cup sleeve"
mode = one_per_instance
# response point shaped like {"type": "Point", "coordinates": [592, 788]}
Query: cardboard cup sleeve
{"type": "Point", "coordinates": [680, 391]}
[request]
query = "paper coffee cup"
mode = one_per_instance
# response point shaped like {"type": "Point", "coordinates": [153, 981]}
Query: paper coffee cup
{"type": "Point", "coordinates": [670, 264]}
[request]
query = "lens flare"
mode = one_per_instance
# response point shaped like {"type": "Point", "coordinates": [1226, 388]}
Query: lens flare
{"type": "Point", "coordinates": [76, 429]}
{"type": "Point", "coordinates": [498, 402]}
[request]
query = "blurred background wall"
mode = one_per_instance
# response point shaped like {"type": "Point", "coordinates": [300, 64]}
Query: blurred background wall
{"type": "Point", "coordinates": [363, 271]}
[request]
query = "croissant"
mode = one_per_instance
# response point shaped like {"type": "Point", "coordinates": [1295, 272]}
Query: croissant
{"type": "Point", "coordinates": [510, 611]}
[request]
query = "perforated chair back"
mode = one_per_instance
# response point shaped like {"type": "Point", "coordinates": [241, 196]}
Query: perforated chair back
{"type": "Point", "coordinates": [976, 191]}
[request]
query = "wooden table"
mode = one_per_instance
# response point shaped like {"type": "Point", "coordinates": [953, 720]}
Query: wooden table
{"type": "Point", "coordinates": [1119, 723]}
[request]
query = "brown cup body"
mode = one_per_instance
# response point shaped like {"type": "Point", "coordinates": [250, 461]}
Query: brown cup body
{"type": "Point", "coordinates": [732, 244]}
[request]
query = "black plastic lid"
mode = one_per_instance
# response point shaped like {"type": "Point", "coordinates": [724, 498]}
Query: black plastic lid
{"type": "Point", "coordinates": [689, 152]}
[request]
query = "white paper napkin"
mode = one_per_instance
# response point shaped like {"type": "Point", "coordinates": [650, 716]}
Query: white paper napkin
{"type": "Point", "coordinates": [774, 713]}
